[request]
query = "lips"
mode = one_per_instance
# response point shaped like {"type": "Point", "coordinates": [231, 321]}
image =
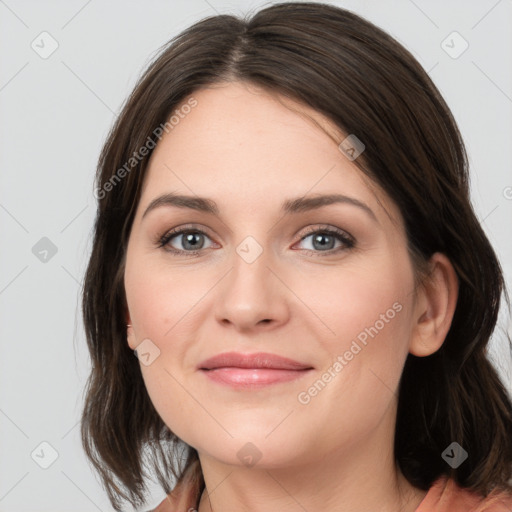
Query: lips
{"type": "Point", "coordinates": [248, 371]}
{"type": "Point", "coordinates": [253, 361]}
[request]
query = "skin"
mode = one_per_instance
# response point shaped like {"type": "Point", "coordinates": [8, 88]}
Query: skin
{"type": "Point", "coordinates": [249, 151]}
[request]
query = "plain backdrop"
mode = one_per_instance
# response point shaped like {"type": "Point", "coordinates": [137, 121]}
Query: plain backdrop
{"type": "Point", "coordinates": [55, 113]}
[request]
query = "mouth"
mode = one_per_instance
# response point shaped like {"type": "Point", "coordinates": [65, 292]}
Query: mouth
{"type": "Point", "coordinates": [252, 370]}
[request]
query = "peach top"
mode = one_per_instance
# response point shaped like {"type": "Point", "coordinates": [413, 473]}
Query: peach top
{"type": "Point", "coordinates": [443, 496]}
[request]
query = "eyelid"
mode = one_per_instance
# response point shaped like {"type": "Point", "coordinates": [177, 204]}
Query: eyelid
{"type": "Point", "coordinates": [327, 228]}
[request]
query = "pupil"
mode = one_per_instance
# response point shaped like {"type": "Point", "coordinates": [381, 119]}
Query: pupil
{"type": "Point", "coordinates": [190, 239]}
{"type": "Point", "coordinates": [318, 238]}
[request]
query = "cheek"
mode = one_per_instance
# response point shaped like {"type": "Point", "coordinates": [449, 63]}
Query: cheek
{"type": "Point", "coordinates": [365, 314]}
{"type": "Point", "coordinates": [365, 300]}
{"type": "Point", "coordinates": [163, 305]}
{"type": "Point", "coordinates": [359, 382]}
{"type": "Point", "coordinates": [161, 300]}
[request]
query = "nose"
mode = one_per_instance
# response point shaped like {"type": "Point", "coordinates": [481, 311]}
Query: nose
{"type": "Point", "coordinates": [252, 295]}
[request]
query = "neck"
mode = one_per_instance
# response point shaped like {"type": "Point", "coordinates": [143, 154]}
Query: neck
{"type": "Point", "coordinates": [356, 479]}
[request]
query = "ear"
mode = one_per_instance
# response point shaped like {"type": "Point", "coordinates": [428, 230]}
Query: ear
{"type": "Point", "coordinates": [130, 334]}
{"type": "Point", "coordinates": [434, 307]}
{"type": "Point", "coordinates": [130, 337]}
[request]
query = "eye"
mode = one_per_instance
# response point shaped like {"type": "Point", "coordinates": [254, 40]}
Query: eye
{"type": "Point", "coordinates": [191, 239]}
{"type": "Point", "coordinates": [323, 240]}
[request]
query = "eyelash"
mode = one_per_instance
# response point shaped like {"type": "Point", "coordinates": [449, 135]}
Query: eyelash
{"type": "Point", "coordinates": [340, 235]}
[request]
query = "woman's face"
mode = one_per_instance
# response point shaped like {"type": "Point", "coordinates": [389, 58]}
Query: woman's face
{"type": "Point", "coordinates": [329, 287]}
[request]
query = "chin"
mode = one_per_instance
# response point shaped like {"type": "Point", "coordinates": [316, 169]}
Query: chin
{"type": "Point", "coordinates": [254, 449]}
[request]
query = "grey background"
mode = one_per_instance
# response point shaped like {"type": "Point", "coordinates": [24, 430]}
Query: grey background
{"type": "Point", "coordinates": [55, 113]}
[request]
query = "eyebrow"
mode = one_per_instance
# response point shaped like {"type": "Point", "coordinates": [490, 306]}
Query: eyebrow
{"type": "Point", "coordinates": [297, 205]}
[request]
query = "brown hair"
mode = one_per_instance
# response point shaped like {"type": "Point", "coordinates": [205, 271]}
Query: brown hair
{"type": "Point", "coordinates": [366, 83]}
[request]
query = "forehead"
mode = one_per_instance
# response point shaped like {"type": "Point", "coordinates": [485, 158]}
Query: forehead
{"type": "Point", "coordinates": [241, 143]}
{"type": "Point", "coordinates": [239, 116]}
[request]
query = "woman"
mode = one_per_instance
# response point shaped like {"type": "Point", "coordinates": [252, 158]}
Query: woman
{"type": "Point", "coordinates": [285, 240]}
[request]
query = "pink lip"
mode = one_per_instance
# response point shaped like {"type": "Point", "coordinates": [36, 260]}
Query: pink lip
{"type": "Point", "coordinates": [252, 370]}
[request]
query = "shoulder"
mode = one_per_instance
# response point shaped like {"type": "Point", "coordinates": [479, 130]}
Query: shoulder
{"type": "Point", "coordinates": [446, 496]}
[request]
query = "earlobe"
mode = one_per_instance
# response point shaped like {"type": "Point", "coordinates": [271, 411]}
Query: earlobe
{"type": "Point", "coordinates": [130, 336]}
{"type": "Point", "coordinates": [435, 307]}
